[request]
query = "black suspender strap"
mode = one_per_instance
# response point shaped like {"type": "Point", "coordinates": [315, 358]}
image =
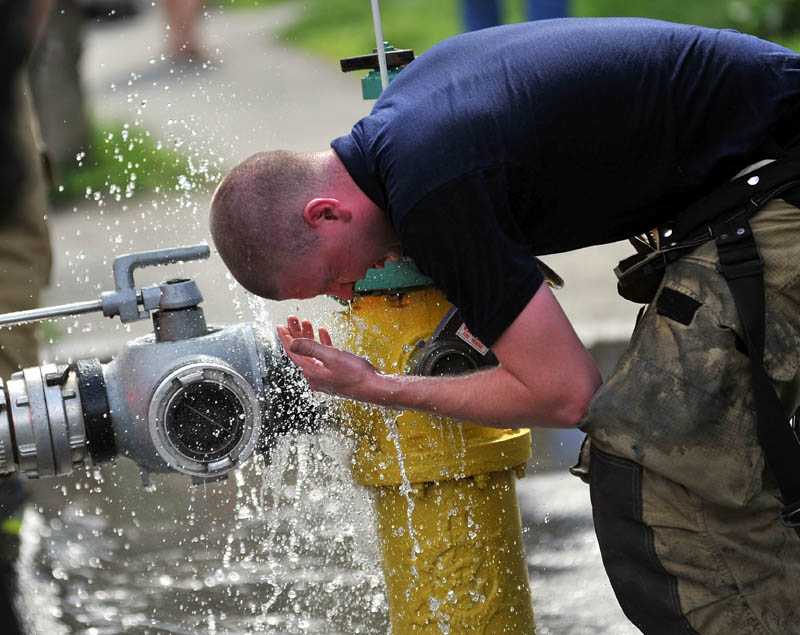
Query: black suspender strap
{"type": "Point", "coordinates": [724, 215]}
{"type": "Point", "coordinates": [743, 269]}
{"type": "Point", "coordinates": [761, 186]}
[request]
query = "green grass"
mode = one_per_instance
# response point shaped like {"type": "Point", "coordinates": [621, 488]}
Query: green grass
{"type": "Point", "coordinates": [246, 4]}
{"type": "Point", "coordinates": [121, 160]}
{"type": "Point", "coordinates": [341, 28]}
{"type": "Point", "coordinates": [772, 19]}
{"type": "Point", "coordinates": [790, 41]}
{"type": "Point", "coordinates": [706, 13]}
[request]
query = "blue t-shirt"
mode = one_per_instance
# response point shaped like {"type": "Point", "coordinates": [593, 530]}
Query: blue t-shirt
{"type": "Point", "coordinates": [542, 137]}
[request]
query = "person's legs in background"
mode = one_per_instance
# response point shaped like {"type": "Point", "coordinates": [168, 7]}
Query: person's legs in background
{"type": "Point", "coordinates": [547, 9]}
{"type": "Point", "coordinates": [25, 259]}
{"type": "Point", "coordinates": [182, 16]}
{"type": "Point", "coordinates": [480, 14]}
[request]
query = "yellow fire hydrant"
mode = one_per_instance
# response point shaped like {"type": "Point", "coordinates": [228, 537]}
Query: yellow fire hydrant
{"type": "Point", "coordinates": [448, 520]}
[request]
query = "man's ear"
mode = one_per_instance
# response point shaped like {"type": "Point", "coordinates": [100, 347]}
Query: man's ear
{"type": "Point", "coordinates": [319, 210]}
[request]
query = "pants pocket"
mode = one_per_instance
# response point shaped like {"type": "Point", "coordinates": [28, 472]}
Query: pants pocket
{"type": "Point", "coordinates": [680, 400]}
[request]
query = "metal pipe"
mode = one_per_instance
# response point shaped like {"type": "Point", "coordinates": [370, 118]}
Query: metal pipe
{"type": "Point", "coordinates": [379, 48]}
{"type": "Point", "coordinates": [46, 313]}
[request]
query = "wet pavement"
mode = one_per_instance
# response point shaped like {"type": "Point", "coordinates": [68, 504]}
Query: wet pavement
{"type": "Point", "coordinates": [284, 549]}
{"type": "Point", "coordinates": [277, 549]}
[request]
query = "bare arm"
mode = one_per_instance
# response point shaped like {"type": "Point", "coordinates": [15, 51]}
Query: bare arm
{"type": "Point", "coordinates": [546, 376]}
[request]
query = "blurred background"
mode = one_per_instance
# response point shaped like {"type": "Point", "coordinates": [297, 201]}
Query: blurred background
{"type": "Point", "coordinates": [141, 107]}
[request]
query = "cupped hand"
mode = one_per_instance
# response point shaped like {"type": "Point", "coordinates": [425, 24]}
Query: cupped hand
{"type": "Point", "coordinates": [326, 368]}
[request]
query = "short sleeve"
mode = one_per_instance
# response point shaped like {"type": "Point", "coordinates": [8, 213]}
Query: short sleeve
{"type": "Point", "coordinates": [464, 236]}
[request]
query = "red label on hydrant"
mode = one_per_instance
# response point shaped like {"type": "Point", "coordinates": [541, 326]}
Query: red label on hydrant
{"type": "Point", "coordinates": [469, 338]}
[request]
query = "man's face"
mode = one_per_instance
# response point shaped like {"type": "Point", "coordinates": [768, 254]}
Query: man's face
{"type": "Point", "coordinates": [314, 277]}
{"type": "Point", "coordinates": [329, 271]}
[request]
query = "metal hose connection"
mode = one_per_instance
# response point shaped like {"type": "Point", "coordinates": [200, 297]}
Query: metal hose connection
{"type": "Point", "coordinates": [42, 429]}
{"type": "Point", "coordinates": [191, 398]}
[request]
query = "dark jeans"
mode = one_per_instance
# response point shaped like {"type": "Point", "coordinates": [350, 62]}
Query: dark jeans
{"type": "Point", "coordinates": [481, 14]}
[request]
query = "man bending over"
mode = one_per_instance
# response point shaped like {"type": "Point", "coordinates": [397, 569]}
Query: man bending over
{"type": "Point", "coordinates": [498, 146]}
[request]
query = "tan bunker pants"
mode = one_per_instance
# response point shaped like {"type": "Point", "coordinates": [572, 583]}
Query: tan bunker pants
{"type": "Point", "coordinates": [25, 254]}
{"type": "Point", "coordinates": [685, 512]}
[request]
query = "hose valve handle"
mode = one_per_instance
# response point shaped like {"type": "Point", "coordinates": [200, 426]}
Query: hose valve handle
{"type": "Point", "coordinates": [124, 300]}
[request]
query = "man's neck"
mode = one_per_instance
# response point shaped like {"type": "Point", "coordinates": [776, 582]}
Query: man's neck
{"type": "Point", "coordinates": [372, 219]}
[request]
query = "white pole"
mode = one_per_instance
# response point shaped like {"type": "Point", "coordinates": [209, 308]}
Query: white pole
{"type": "Point", "coordinates": [376, 20]}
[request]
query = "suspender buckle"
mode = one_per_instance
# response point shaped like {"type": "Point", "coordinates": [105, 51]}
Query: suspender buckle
{"type": "Point", "coordinates": [738, 254]}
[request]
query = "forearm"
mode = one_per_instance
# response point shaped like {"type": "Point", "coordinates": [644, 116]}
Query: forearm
{"type": "Point", "coordinates": [546, 377]}
{"type": "Point", "coordinates": [491, 397]}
